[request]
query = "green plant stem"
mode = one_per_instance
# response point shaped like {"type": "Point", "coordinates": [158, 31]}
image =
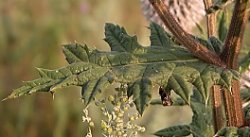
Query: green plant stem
{"type": "Point", "coordinates": [183, 37]}
{"type": "Point", "coordinates": [230, 55]}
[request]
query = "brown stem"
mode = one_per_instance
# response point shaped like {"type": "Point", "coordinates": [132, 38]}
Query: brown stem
{"type": "Point", "coordinates": [183, 37]}
{"type": "Point", "coordinates": [217, 97]}
{"type": "Point", "coordinates": [218, 108]}
{"type": "Point", "coordinates": [234, 37]}
{"type": "Point", "coordinates": [233, 105]}
{"type": "Point", "coordinates": [211, 18]}
{"type": "Point", "coordinates": [230, 55]}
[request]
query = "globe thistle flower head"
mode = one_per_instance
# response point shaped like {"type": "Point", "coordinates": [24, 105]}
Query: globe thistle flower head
{"type": "Point", "coordinates": [188, 13]}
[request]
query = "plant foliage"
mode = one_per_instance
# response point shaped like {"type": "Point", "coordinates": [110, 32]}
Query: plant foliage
{"type": "Point", "coordinates": [201, 125]}
{"type": "Point", "coordinates": [233, 132]}
{"type": "Point", "coordinates": [245, 63]}
{"type": "Point", "coordinates": [163, 63]}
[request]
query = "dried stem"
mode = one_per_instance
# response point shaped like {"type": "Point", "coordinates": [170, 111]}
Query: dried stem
{"type": "Point", "coordinates": [183, 37]}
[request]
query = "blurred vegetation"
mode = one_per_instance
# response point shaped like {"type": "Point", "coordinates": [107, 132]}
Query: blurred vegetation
{"type": "Point", "coordinates": [31, 35]}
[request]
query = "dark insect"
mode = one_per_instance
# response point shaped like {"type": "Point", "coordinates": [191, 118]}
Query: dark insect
{"type": "Point", "coordinates": [165, 97]}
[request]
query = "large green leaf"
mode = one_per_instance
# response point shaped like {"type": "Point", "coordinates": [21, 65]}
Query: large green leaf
{"type": "Point", "coordinates": [163, 63]}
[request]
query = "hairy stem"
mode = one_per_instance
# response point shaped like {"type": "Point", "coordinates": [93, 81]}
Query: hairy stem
{"type": "Point", "coordinates": [230, 55]}
{"type": "Point", "coordinates": [218, 108]}
{"type": "Point", "coordinates": [234, 37]}
{"type": "Point", "coordinates": [211, 18]}
{"type": "Point", "coordinates": [216, 91]}
{"type": "Point", "coordinates": [183, 37]}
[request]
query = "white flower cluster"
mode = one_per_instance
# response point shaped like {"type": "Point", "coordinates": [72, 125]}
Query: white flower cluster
{"type": "Point", "coordinates": [120, 117]}
{"type": "Point", "coordinates": [87, 118]}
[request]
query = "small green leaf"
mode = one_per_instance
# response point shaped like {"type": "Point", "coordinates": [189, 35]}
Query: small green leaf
{"type": "Point", "coordinates": [243, 132]}
{"type": "Point", "coordinates": [234, 132]}
{"type": "Point", "coordinates": [228, 132]}
{"type": "Point", "coordinates": [206, 43]}
{"type": "Point", "coordinates": [227, 77]}
{"type": "Point", "coordinates": [245, 94]}
{"type": "Point", "coordinates": [183, 130]}
{"type": "Point", "coordinates": [141, 94]}
{"type": "Point", "coordinates": [216, 44]}
{"type": "Point", "coordinates": [181, 87]}
{"type": "Point", "coordinates": [119, 40]}
{"type": "Point", "coordinates": [75, 53]}
{"type": "Point", "coordinates": [202, 120]}
{"type": "Point", "coordinates": [246, 112]}
{"type": "Point", "coordinates": [94, 88]}
{"type": "Point", "coordinates": [245, 63]}
{"type": "Point", "coordinates": [213, 44]}
{"type": "Point", "coordinates": [223, 25]}
{"type": "Point", "coordinates": [160, 37]}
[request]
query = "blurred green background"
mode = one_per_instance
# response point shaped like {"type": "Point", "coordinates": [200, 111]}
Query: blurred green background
{"type": "Point", "coordinates": [32, 33]}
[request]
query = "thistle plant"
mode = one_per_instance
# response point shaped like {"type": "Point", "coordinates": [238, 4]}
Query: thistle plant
{"type": "Point", "coordinates": [203, 73]}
